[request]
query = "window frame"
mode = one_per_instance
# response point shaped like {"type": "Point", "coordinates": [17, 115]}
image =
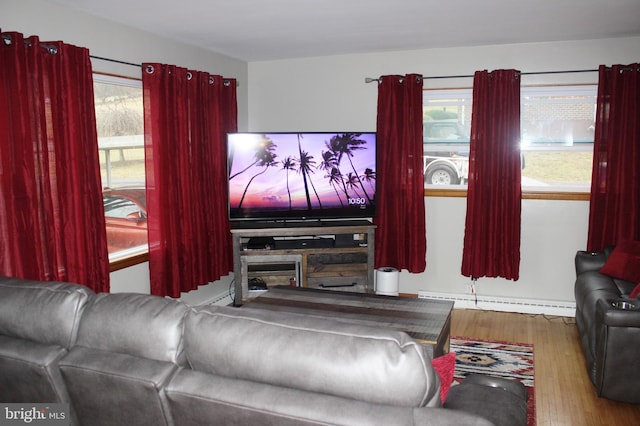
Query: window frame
{"type": "Point", "coordinates": [135, 255]}
{"type": "Point", "coordinates": [530, 193]}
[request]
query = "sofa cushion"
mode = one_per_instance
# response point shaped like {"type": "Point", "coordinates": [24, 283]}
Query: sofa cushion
{"type": "Point", "coordinates": [29, 371]}
{"type": "Point", "coordinates": [624, 262]}
{"type": "Point", "coordinates": [135, 324]}
{"type": "Point", "coordinates": [45, 312]}
{"type": "Point", "coordinates": [109, 388]}
{"type": "Point", "coordinates": [198, 398]}
{"type": "Point", "coordinates": [291, 350]}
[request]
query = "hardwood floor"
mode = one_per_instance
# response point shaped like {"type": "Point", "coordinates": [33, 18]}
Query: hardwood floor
{"type": "Point", "coordinates": [564, 393]}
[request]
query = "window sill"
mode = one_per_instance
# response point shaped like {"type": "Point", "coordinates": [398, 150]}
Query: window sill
{"type": "Point", "coordinates": [526, 194]}
{"type": "Point", "coordinates": [130, 258]}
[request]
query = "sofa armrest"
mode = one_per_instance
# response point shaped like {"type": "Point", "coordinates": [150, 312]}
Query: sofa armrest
{"type": "Point", "coordinates": [608, 315]}
{"type": "Point", "coordinates": [586, 261]}
{"type": "Point", "coordinates": [616, 353]}
{"type": "Point", "coordinates": [513, 386]}
{"type": "Point", "coordinates": [500, 401]}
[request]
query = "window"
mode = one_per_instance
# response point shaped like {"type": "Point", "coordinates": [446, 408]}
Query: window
{"type": "Point", "coordinates": [120, 123]}
{"type": "Point", "coordinates": [557, 136]}
{"type": "Point", "coordinates": [446, 124]}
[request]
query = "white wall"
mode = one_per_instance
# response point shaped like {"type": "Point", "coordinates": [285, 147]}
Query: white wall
{"type": "Point", "coordinates": [552, 231]}
{"type": "Point", "coordinates": [329, 93]}
{"type": "Point", "coordinates": [135, 279]}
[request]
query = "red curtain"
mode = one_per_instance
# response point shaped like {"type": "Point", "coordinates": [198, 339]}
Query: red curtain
{"type": "Point", "coordinates": [187, 116]}
{"type": "Point", "coordinates": [492, 229]}
{"type": "Point", "coordinates": [51, 215]}
{"type": "Point", "coordinates": [400, 233]}
{"type": "Point", "coordinates": [614, 213]}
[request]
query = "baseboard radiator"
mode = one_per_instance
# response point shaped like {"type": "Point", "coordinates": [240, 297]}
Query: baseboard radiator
{"type": "Point", "coordinates": [504, 304]}
{"type": "Point", "coordinates": [222, 299]}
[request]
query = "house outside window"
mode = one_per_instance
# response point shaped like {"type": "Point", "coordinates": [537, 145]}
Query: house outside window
{"type": "Point", "coordinates": [557, 129]}
{"type": "Point", "coordinates": [120, 124]}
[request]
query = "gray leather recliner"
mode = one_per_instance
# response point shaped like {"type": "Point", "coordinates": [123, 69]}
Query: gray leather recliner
{"type": "Point", "coordinates": [129, 346]}
{"type": "Point", "coordinates": [38, 325]}
{"type": "Point", "coordinates": [610, 337]}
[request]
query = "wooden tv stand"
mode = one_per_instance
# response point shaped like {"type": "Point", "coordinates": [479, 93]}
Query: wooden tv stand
{"type": "Point", "coordinates": [319, 254]}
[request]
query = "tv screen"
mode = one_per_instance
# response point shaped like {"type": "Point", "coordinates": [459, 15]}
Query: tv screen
{"type": "Point", "coordinates": [301, 175]}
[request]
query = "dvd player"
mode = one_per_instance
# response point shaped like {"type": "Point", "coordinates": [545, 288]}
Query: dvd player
{"type": "Point", "coordinates": [304, 243]}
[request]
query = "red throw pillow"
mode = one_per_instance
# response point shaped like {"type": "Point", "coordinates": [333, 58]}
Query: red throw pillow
{"type": "Point", "coordinates": [624, 262]}
{"type": "Point", "coordinates": [445, 365]}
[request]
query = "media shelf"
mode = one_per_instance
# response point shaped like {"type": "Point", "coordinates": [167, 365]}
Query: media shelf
{"type": "Point", "coordinates": [320, 254]}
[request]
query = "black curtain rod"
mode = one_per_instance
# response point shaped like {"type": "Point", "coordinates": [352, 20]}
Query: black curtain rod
{"type": "Point", "coordinates": [115, 61]}
{"type": "Point", "coordinates": [137, 65]}
{"type": "Point", "coordinates": [436, 77]}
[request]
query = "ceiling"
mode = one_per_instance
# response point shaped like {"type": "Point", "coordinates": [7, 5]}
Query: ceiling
{"type": "Point", "coordinates": [257, 30]}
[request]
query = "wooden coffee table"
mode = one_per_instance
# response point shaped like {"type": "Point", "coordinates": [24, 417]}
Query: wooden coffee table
{"type": "Point", "coordinates": [428, 321]}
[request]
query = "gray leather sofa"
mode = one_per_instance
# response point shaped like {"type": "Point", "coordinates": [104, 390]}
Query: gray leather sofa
{"type": "Point", "coordinates": [137, 360]}
{"type": "Point", "coordinates": [609, 335]}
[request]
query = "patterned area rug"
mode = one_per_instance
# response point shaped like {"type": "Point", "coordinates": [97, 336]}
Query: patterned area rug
{"type": "Point", "coordinates": [509, 360]}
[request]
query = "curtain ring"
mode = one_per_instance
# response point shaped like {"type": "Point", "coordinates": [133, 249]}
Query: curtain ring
{"type": "Point", "coordinates": [227, 83]}
{"type": "Point", "coordinates": [6, 38]}
{"type": "Point", "coordinates": [211, 79]}
{"type": "Point", "coordinates": [189, 75]}
{"type": "Point", "coordinates": [149, 69]}
{"type": "Point", "coordinates": [52, 50]}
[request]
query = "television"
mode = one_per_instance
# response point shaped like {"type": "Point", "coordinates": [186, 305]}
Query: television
{"type": "Point", "coordinates": [301, 176]}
